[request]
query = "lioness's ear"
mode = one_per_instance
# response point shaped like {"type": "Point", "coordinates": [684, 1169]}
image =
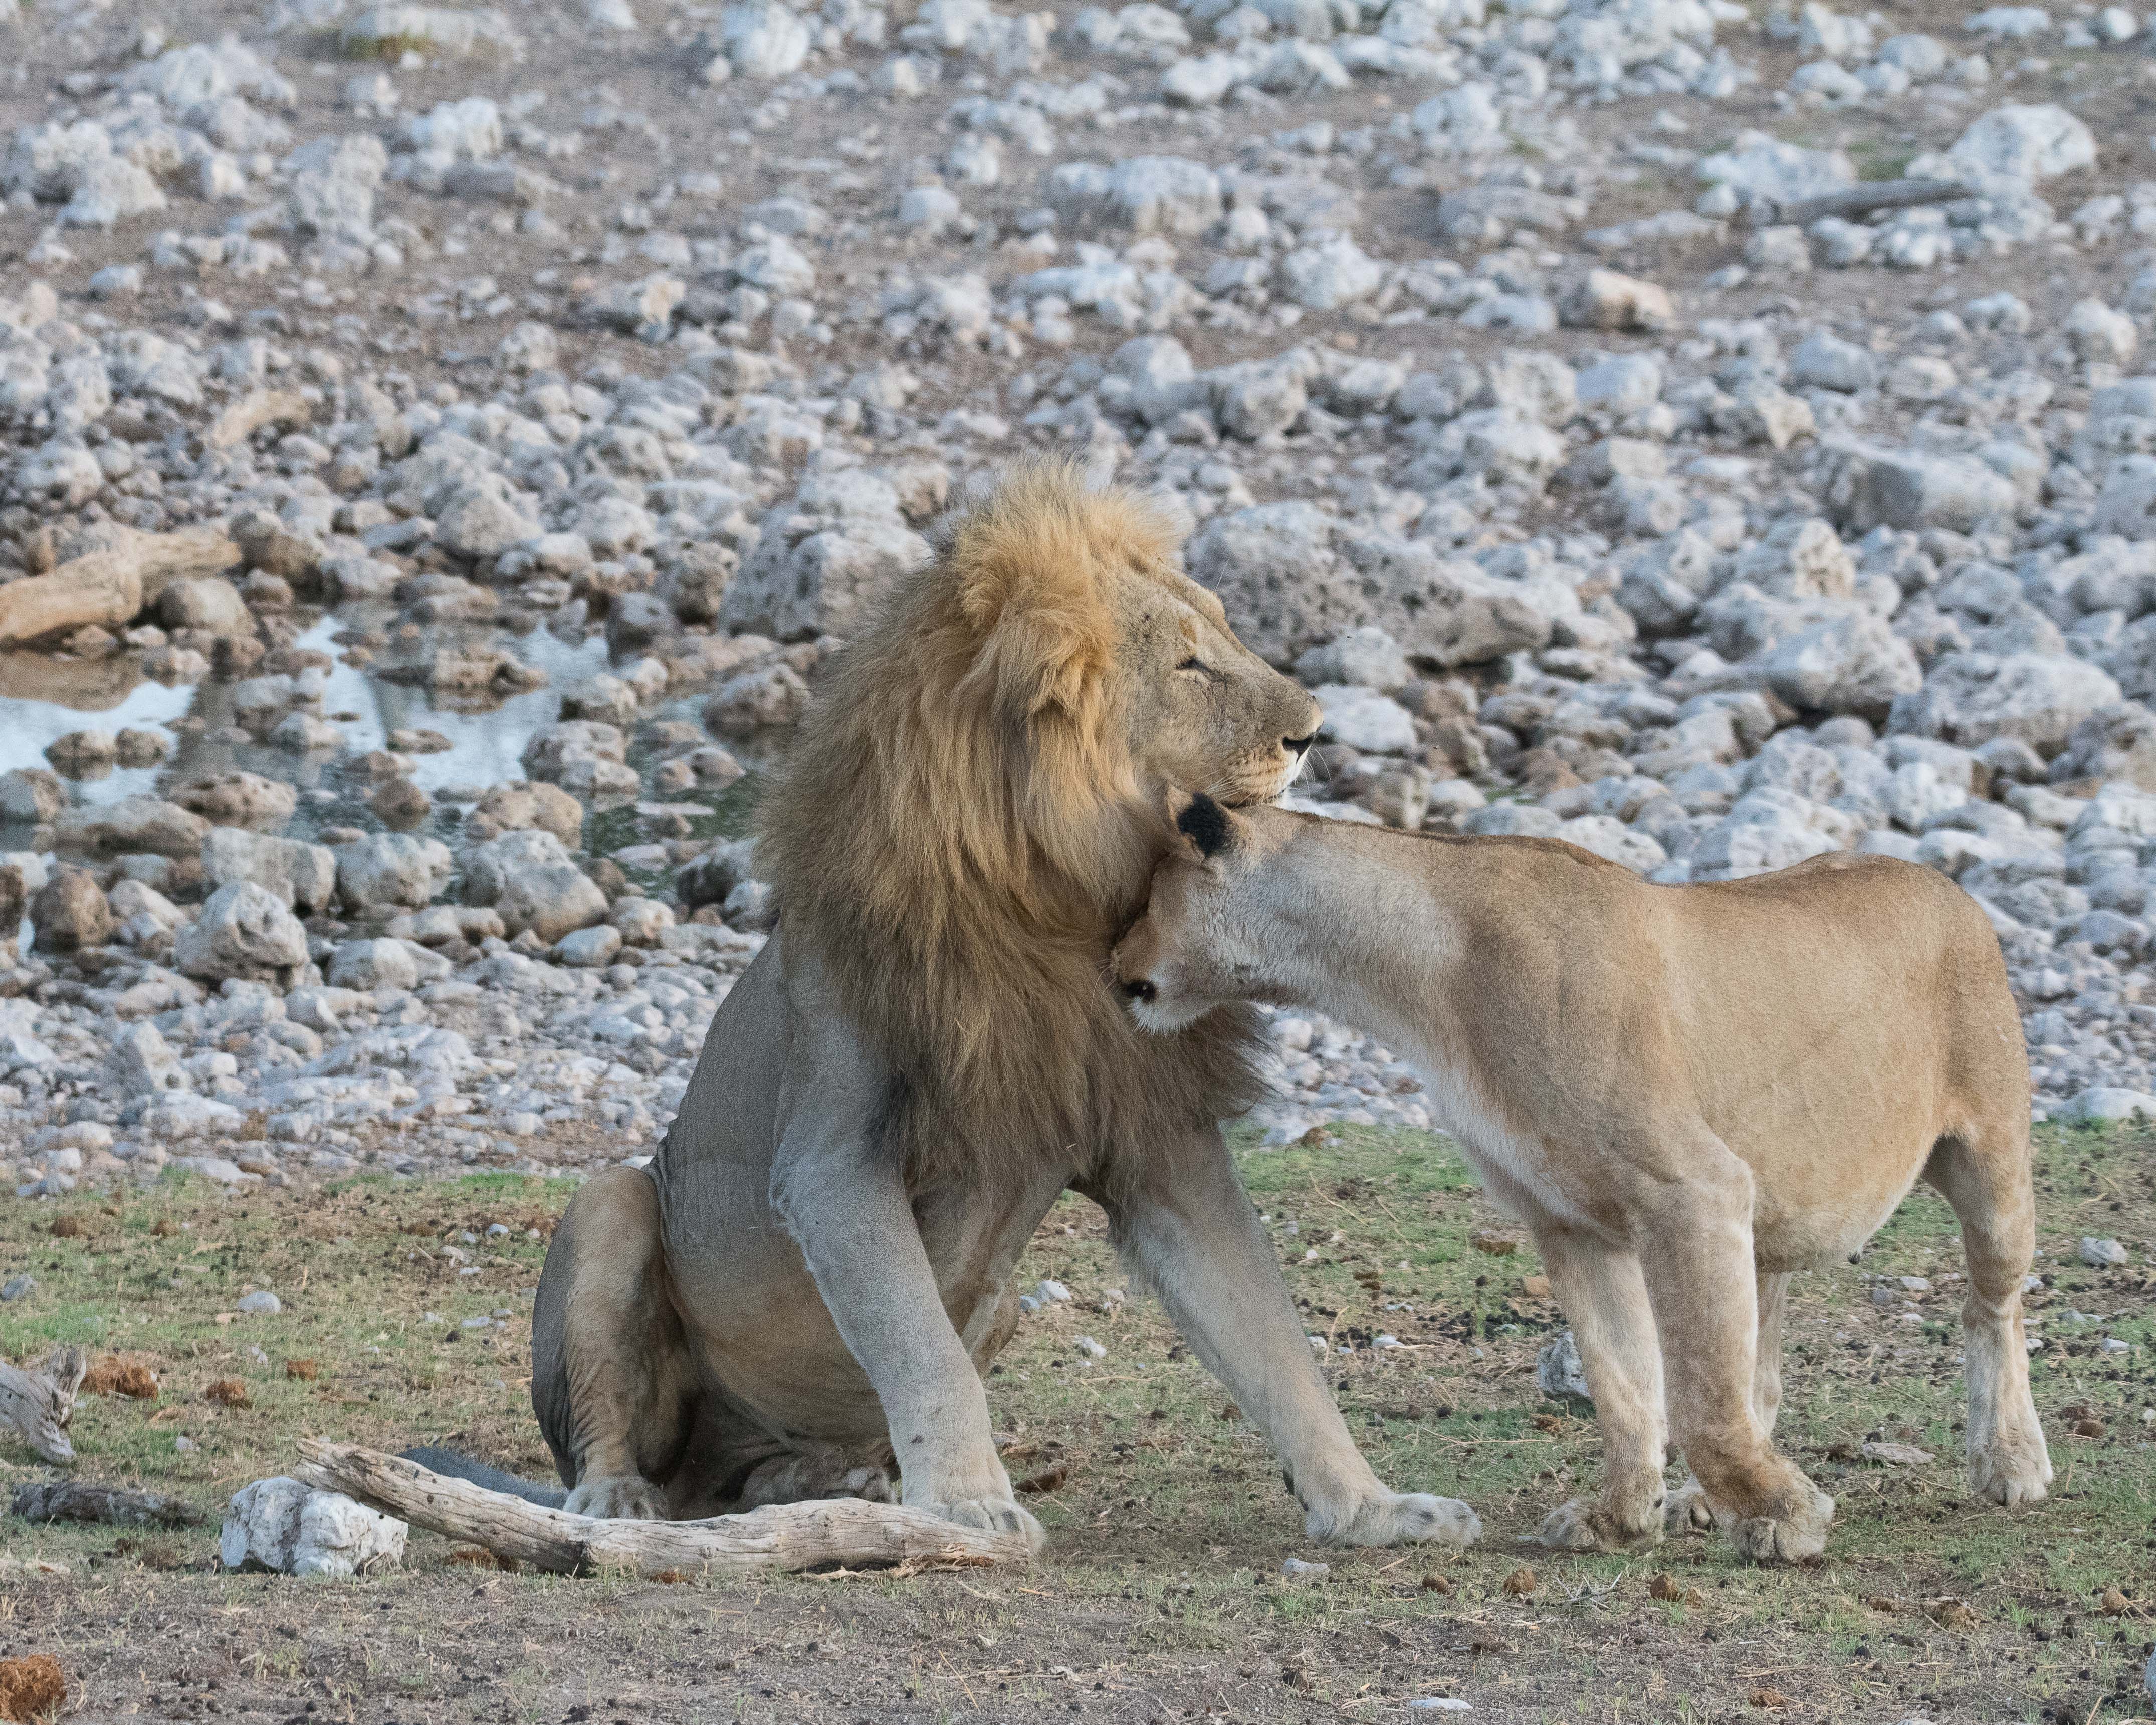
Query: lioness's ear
{"type": "Point", "coordinates": [1206, 825]}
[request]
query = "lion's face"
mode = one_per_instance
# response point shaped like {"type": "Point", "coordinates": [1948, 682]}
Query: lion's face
{"type": "Point", "coordinates": [1201, 711]}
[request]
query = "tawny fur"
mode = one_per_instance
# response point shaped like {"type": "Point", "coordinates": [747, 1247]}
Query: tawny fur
{"type": "Point", "coordinates": [960, 830]}
{"type": "Point", "coordinates": [1686, 1092]}
{"type": "Point", "coordinates": [806, 1284]}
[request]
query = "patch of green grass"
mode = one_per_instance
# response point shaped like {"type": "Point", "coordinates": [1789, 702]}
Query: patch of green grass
{"type": "Point", "coordinates": [1166, 1509]}
{"type": "Point", "coordinates": [1878, 159]}
{"type": "Point", "coordinates": [383, 48]}
{"type": "Point", "coordinates": [731, 808]}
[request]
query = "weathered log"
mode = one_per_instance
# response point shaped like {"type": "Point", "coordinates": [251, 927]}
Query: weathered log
{"type": "Point", "coordinates": [38, 1403]}
{"type": "Point", "coordinates": [111, 587]}
{"type": "Point", "coordinates": [117, 1505]}
{"type": "Point", "coordinates": [88, 685]}
{"type": "Point", "coordinates": [252, 412]}
{"type": "Point", "coordinates": [846, 1531]}
{"type": "Point", "coordinates": [1862, 200]}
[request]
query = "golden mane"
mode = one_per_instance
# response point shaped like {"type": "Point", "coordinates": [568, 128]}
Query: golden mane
{"type": "Point", "coordinates": [958, 833]}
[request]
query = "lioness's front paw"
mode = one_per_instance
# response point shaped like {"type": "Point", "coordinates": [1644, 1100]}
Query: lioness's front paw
{"type": "Point", "coordinates": [992, 1515]}
{"type": "Point", "coordinates": [1585, 1525]}
{"type": "Point", "coordinates": [621, 1498]}
{"type": "Point", "coordinates": [1399, 1518]}
{"type": "Point", "coordinates": [1788, 1539]}
{"type": "Point", "coordinates": [1685, 1510]}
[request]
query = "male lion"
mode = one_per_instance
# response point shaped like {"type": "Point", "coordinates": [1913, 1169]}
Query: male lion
{"type": "Point", "coordinates": [1685, 1092]}
{"type": "Point", "coordinates": [810, 1277]}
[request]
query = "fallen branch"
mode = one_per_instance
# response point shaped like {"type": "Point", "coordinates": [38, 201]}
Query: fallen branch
{"type": "Point", "coordinates": [254, 410]}
{"type": "Point", "coordinates": [116, 1505]}
{"type": "Point", "coordinates": [1861, 200]}
{"type": "Point", "coordinates": [842, 1531]}
{"type": "Point", "coordinates": [38, 1403]}
{"type": "Point", "coordinates": [111, 587]}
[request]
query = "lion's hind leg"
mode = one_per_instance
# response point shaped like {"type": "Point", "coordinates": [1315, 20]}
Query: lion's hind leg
{"type": "Point", "coordinates": [1983, 1172]}
{"type": "Point", "coordinates": [611, 1381]}
{"type": "Point", "coordinates": [1605, 1294]}
{"type": "Point", "coordinates": [804, 1476]}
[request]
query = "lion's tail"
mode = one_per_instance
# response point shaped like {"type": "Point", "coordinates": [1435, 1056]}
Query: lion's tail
{"type": "Point", "coordinates": [490, 1479]}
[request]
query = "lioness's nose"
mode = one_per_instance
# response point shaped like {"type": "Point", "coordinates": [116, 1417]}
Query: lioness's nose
{"type": "Point", "coordinates": [1139, 989]}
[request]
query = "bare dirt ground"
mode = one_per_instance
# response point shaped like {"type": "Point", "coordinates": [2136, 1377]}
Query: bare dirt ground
{"type": "Point", "coordinates": [1160, 1595]}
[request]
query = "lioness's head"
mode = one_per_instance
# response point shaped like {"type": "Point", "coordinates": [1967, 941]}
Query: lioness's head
{"type": "Point", "coordinates": [1217, 925]}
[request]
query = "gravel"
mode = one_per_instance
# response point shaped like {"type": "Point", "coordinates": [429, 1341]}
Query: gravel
{"type": "Point", "coordinates": [563, 412]}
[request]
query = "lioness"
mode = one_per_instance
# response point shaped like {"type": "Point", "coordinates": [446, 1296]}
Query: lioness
{"type": "Point", "coordinates": [814, 1271]}
{"type": "Point", "coordinates": [1685, 1092]}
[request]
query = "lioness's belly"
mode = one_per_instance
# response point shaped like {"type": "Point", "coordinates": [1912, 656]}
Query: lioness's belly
{"type": "Point", "coordinates": [1835, 1124]}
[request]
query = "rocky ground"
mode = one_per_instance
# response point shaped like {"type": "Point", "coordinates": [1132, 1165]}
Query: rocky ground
{"type": "Point", "coordinates": [1709, 435]}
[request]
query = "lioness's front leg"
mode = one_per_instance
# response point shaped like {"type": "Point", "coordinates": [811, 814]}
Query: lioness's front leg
{"type": "Point", "coordinates": [842, 1198]}
{"type": "Point", "coordinates": [1699, 1268]}
{"type": "Point", "coordinates": [1187, 1227]}
{"type": "Point", "coordinates": [1601, 1290]}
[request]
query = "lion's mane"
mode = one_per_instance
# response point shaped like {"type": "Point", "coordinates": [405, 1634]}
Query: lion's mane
{"type": "Point", "coordinates": [959, 836]}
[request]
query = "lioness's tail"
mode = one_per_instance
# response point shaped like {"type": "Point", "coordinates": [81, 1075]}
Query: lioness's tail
{"type": "Point", "coordinates": [490, 1479]}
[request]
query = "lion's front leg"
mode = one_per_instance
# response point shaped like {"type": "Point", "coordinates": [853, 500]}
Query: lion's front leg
{"type": "Point", "coordinates": [1187, 1229]}
{"type": "Point", "coordinates": [845, 1203]}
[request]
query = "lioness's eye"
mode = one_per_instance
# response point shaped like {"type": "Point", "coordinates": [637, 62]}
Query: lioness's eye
{"type": "Point", "coordinates": [1192, 663]}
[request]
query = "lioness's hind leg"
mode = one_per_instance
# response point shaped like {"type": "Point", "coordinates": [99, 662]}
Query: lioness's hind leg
{"type": "Point", "coordinates": [1773, 1292]}
{"type": "Point", "coordinates": [611, 1376]}
{"type": "Point", "coordinates": [1984, 1175]}
{"type": "Point", "coordinates": [1605, 1294]}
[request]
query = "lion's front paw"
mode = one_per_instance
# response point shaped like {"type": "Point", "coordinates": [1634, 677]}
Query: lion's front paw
{"type": "Point", "coordinates": [1790, 1537]}
{"type": "Point", "coordinates": [992, 1515]}
{"type": "Point", "coordinates": [1585, 1525]}
{"type": "Point", "coordinates": [618, 1497]}
{"type": "Point", "coordinates": [1399, 1519]}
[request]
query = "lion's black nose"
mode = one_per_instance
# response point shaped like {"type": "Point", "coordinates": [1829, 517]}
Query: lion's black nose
{"type": "Point", "coordinates": [1139, 990]}
{"type": "Point", "coordinates": [1298, 745]}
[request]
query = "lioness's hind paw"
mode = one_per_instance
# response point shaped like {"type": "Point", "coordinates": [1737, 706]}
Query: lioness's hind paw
{"type": "Point", "coordinates": [2009, 1474]}
{"type": "Point", "coordinates": [1402, 1518]}
{"type": "Point", "coordinates": [618, 1497]}
{"type": "Point", "coordinates": [991, 1515]}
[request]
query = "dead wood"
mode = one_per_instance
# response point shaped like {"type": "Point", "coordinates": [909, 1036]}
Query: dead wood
{"type": "Point", "coordinates": [109, 588]}
{"type": "Point", "coordinates": [118, 1506]}
{"type": "Point", "coordinates": [253, 411]}
{"type": "Point", "coordinates": [39, 1403]}
{"type": "Point", "coordinates": [1867, 199]}
{"type": "Point", "coordinates": [846, 1531]}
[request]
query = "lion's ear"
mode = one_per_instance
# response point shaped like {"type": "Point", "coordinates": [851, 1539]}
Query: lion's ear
{"type": "Point", "coordinates": [1205, 827]}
